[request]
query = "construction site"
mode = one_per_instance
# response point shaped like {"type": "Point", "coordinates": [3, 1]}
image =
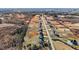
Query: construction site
{"type": "Point", "coordinates": [39, 30]}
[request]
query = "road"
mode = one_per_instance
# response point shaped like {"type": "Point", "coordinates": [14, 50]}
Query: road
{"type": "Point", "coordinates": [50, 39]}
